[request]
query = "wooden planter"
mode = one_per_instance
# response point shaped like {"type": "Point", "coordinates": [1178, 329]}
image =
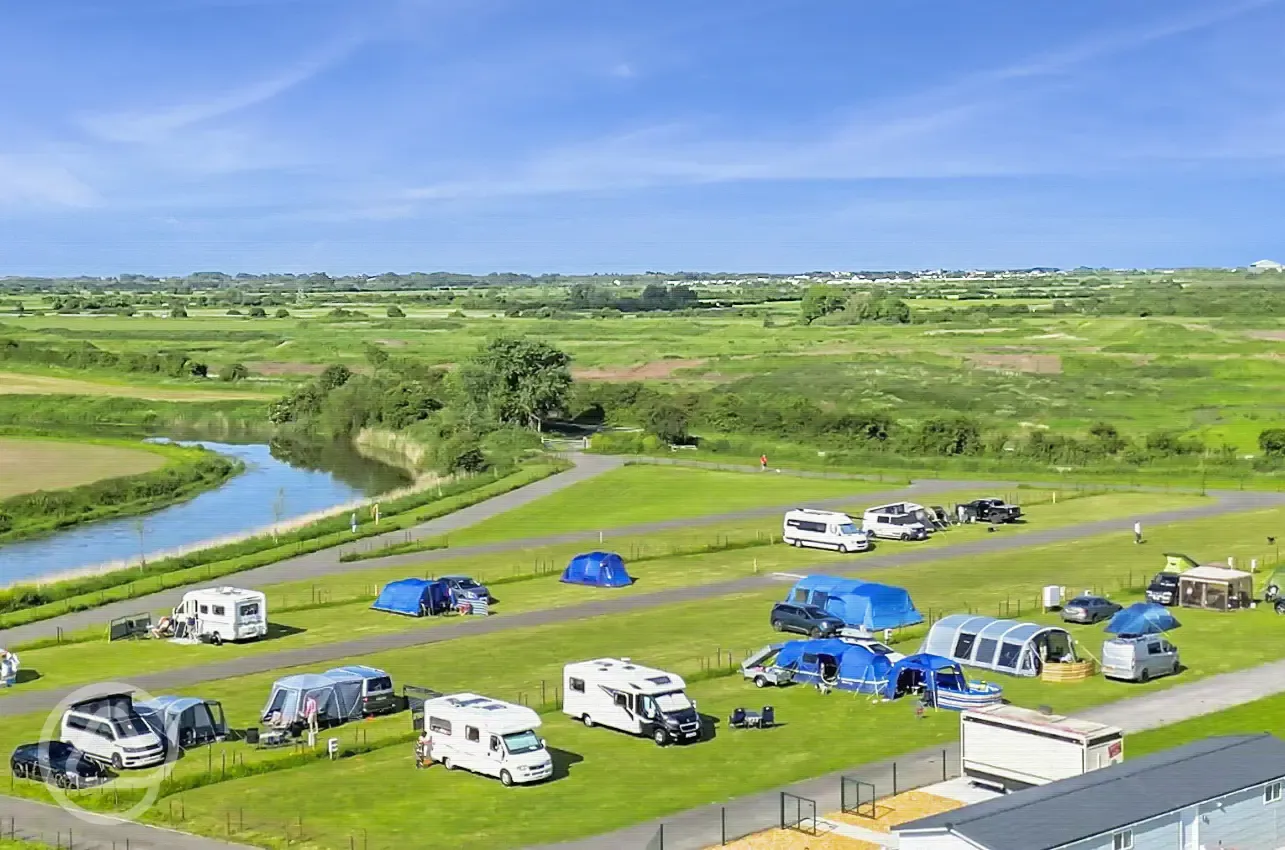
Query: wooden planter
{"type": "Point", "coordinates": [1076, 671]}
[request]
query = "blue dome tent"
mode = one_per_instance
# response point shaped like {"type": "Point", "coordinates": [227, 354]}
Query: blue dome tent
{"type": "Point", "coordinates": [867, 604]}
{"type": "Point", "coordinates": [597, 569]}
{"type": "Point", "coordinates": [1142, 618]}
{"type": "Point", "coordinates": [1006, 646]}
{"type": "Point", "coordinates": [942, 681]}
{"type": "Point", "coordinates": [414, 597]}
{"type": "Point", "coordinates": [836, 663]}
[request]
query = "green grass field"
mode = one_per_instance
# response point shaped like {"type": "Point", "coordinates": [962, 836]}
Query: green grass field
{"type": "Point", "coordinates": [21, 383]}
{"type": "Point", "coordinates": [27, 465]}
{"type": "Point", "coordinates": [1261, 715]}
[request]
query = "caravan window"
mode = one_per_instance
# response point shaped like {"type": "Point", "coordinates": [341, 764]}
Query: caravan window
{"type": "Point", "coordinates": [249, 609]}
{"type": "Point", "coordinates": [77, 722]}
{"type": "Point", "coordinates": [220, 611]}
{"type": "Point", "coordinates": [622, 700]}
{"type": "Point", "coordinates": [964, 645]}
{"type": "Point", "coordinates": [437, 724]}
{"type": "Point", "coordinates": [576, 685]}
{"type": "Point", "coordinates": [806, 525]}
{"type": "Point", "coordinates": [204, 609]}
{"type": "Point", "coordinates": [471, 734]}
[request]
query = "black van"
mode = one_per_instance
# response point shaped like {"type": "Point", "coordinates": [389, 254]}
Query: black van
{"type": "Point", "coordinates": [1163, 589]}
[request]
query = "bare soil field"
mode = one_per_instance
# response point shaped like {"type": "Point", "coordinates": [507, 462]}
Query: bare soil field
{"type": "Point", "coordinates": [1270, 336]}
{"type": "Point", "coordinates": [647, 371]}
{"type": "Point", "coordinates": [30, 465]}
{"type": "Point", "coordinates": [1039, 364]}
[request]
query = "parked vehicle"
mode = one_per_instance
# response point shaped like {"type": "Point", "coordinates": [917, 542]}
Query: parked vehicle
{"type": "Point", "coordinates": [1163, 589]}
{"type": "Point", "coordinates": [466, 589]}
{"type": "Point", "coordinates": [760, 669]}
{"type": "Point", "coordinates": [1139, 658]}
{"type": "Point", "coordinates": [863, 638]}
{"type": "Point", "coordinates": [1089, 609]}
{"type": "Point", "coordinates": [805, 619]}
{"type": "Point", "coordinates": [109, 729]}
{"type": "Point", "coordinates": [988, 510]}
{"type": "Point", "coordinates": [487, 736]}
{"type": "Point", "coordinates": [631, 698]}
{"type": "Point", "coordinates": [377, 695]}
{"type": "Point", "coordinates": [217, 614]}
{"type": "Point", "coordinates": [1010, 748]}
{"type": "Point", "coordinates": [824, 530]}
{"type": "Point", "coordinates": [900, 521]}
{"type": "Point", "coordinates": [56, 763]}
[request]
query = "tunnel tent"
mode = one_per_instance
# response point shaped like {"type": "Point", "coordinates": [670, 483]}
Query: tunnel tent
{"type": "Point", "coordinates": [835, 663]}
{"type": "Point", "coordinates": [865, 604]}
{"type": "Point", "coordinates": [1142, 618]}
{"type": "Point", "coordinates": [597, 569]}
{"type": "Point", "coordinates": [1005, 646]}
{"type": "Point", "coordinates": [338, 698]}
{"type": "Point", "coordinates": [184, 721]}
{"type": "Point", "coordinates": [413, 597]}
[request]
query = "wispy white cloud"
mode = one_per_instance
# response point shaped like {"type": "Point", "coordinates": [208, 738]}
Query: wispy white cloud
{"type": "Point", "coordinates": [623, 70]}
{"type": "Point", "coordinates": [38, 182]}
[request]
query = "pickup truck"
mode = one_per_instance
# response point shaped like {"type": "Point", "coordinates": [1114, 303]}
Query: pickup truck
{"type": "Point", "coordinates": [988, 510]}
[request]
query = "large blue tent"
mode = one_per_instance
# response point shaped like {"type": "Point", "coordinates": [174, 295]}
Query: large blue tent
{"type": "Point", "coordinates": [597, 569]}
{"type": "Point", "coordinates": [839, 664]}
{"type": "Point", "coordinates": [866, 604]}
{"type": "Point", "coordinates": [414, 597]}
{"type": "Point", "coordinates": [1142, 618]}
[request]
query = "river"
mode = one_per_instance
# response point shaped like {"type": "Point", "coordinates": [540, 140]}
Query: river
{"type": "Point", "coordinates": [277, 486]}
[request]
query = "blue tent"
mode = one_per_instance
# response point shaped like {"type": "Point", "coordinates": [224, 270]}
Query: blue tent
{"type": "Point", "coordinates": [1142, 618]}
{"type": "Point", "coordinates": [867, 604]}
{"type": "Point", "coordinates": [597, 569]}
{"type": "Point", "coordinates": [839, 664]}
{"type": "Point", "coordinates": [414, 597]}
{"type": "Point", "coordinates": [942, 681]}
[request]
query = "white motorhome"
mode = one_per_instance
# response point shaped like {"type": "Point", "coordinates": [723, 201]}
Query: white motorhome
{"type": "Point", "coordinates": [619, 694]}
{"type": "Point", "coordinates": [110, 731]}
{"type": "Point", "coordinates": [1010, 748]}
{"type": "Point", "coordinates": [824, 530]}
{"type": "Point", "coordinates": [487, 736]}
{"type": "Point", "coordinates": [217, 614]}
{"type": "Point", "coordinates": [899, 521]}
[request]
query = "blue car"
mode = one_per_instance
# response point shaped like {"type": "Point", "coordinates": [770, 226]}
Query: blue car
{"type": "Point", "coordinates": [465, 589]}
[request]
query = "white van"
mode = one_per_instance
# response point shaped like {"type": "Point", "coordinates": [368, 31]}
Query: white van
{"type": "Point", "coordinates": [619, 694]}
{"type": "Point", "coordinates": [217, 614]}
{"type": "Point", "coordinates": [900, 521]}
{"type": "Point", "coordinates": [487, 736]}
{"type": "Point", "coordinates": [824, 530]}
{"type": "Point", "coordinates": [109, 730]}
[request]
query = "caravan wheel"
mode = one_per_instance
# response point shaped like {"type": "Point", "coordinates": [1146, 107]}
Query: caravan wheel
{"type": "Point", "coordinates": [216, 639]}
{"type": "Point", "coordinates": [448, 764]}
{"type": "Point", "coordinates": [587, 721]}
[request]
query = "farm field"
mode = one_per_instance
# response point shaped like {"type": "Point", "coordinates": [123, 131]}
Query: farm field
{"type": "Point", "coordinates": [22, 383]}
{"type": "Point", "coordinates": [27, 465]}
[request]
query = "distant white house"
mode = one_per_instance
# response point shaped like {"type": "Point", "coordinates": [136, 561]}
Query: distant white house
{"type": "Point", "coordinates": [1266, 266]}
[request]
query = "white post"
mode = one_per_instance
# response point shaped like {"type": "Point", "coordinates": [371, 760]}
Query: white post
{"type": "Point", "coordinates": [1055, 497]}
{"type": "Point", "coordinates": [599, 536]}
{"type": "Point", "coordinates": [1253, 565]}
{"type": "Point", "coordinates": [1231, 562]}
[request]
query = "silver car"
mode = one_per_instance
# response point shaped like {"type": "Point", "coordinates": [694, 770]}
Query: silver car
{"type": "Point", "coordinates": [1089, 609]}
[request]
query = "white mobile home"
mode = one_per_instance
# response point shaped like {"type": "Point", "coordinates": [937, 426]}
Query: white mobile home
{"type": "Point", "coordinates": [487, 736]}
{"type": "Point", "coordinates": [1010, 748]}
{"type": "Point", "coordinates": [824, 530]}
{"type": "Point", "coordinates": [619, 694]}
{"type": "Point", "coordinates": [217, 614]}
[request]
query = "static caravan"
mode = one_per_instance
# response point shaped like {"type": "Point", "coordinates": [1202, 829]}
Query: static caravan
{"type": "Point", "coordinates": [217, 614]}
{"type": "Point", "coordinates": [824, 530]}
{"type": "Point", "coordinates": [487, 736]}
{"type": "Point", "coordinates": [1010, 748]}
{"type": "Point", "coordinates": [619, 694]}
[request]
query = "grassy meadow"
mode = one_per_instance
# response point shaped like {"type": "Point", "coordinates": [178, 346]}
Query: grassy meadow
{"type": "Point", "coordinates": [27, 465]}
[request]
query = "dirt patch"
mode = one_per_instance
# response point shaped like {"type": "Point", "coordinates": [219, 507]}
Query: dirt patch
{"type": "Point", "coordinates": [890, 812]}
{"type": "Point", "coordinates": [903, 808]}
{"type": "Point", "coordinates": [1270, 336]}
{"type": "Point", "coordinates": [653, 371]}
{"type": "Point", "coordinates": [787, 839]}
{"type": "Point", "coordinates": [1037, 364]}
{"type": "Point", "coordinates": [391, 343]}
{"type": "Point", "coordinates": [282, 367]}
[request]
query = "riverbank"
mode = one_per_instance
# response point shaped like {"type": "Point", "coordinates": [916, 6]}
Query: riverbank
{"type": "Point", "coordinates": [178, 474]}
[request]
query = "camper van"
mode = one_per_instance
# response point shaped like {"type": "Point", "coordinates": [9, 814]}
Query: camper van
{"type": "Point", "coordinates": [377, 695]}
{"type": "Point", "coordinates": [217, 614]}
{"type": "Point", "coordinates": [619, 694]}
{"type": "Point", "coordinates": [900, 521]}
{"type": "Point", "coordinates": [487, 736]}
{"type": "Point", "coordinates": [1009, 748]}
{"type": "Point", "coordinates": [109, 730]}
{"type": "Point", "coordinates": [824, 530]}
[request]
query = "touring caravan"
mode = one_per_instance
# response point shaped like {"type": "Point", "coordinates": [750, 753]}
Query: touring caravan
{"type": "Point", "coordinates": [217, 614]}
{"type": "Point", "coordinates": [487, 736]}
{"type": "Point", "coordinates": [824, 530]}
{"type": "Point", "coordinates": [619, 694]}
{"type": "Point", "coordinates": [109, 730]}
{"type": "Point", "coordinates": [1010, 748]}
{"type": "Point", "coordinates": [899, 521]}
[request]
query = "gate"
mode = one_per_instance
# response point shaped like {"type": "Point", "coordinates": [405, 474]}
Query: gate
{"type": "Point", "coordinates": [798, 813]}
{"type": "Point", "coordinates": [857, 797]}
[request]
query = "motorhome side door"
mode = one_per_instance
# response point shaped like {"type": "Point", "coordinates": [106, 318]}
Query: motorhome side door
{"type": "Point", "coordinates": [625, 702]}
{"type": "Point", "coordinates": [495, 750]}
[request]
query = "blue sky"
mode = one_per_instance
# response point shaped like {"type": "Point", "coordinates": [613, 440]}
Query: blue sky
{"type": "Point", "coordinates": [167, 136]}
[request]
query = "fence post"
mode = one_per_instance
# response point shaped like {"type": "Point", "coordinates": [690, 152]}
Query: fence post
{"type": "Point", "coordinates": [782, 810]}
{"type": "Point", "coordinates": [943, 765]}
{"type": "Point", "coordinates": [723, 825]}
{"type": "Point", "coordinates": [662, 837]}
{"type": "Point", "coordinates": [894, 779]}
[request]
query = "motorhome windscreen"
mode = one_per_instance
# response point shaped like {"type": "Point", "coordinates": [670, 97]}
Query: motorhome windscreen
{"type": "Point", "coordinates": [847, 528]}
{"type": "Point", "coordinates": [249, 609]}
{"type": "Point", "coordinates": [671, 702]}
{"type": "Point", "coordinates": [521, 742]}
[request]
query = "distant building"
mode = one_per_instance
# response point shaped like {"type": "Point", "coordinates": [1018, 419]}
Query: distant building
{"type": "Point", "coordinates": [1265, 266]}
{"type": "Point", "coordinates": [1222, 792]}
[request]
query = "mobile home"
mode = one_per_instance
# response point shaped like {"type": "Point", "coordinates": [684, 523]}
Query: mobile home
{"type": "Point", "coordinates": [487, 736]}
{"type": "Point", "coordinates": [619, 694]}
{"type": "Point", "coordinates": [217, 614]}
{"type": "Point", "coordinates": [1010, 748]}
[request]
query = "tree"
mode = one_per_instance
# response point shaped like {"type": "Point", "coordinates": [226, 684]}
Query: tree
{"type": "Point", "coordinates": [1106, 437]}
{"type": "Point", "coordinates": [198, 370]}
{"type": "Point", "coordinates": [234, 372]}
{"type": "Point", "coordinates": [517, 381]}
{"type": "Point", "coordinates": [334, 375]}
{"type": "Point", "coordinates": [819, 301]}
{"type": "Point", "coordinates": [949, 436]}
{"type": "Point", "coordinates": [1272, 442]}
{"type": "Point", "coordinates": [283, 313]}
{"type": "Point", "coordinates": [178, 313]}
{"type": "Point", "coordinates": [376, 356]}
{"type": "Point", "coordinates": [258, 313]}
{"type": "Point", "coordinates": [668, 422]}
{"type": "Point", "coordinates": [395, 312]}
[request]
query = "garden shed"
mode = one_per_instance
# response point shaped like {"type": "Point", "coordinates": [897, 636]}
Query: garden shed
{"type": "Point", "coordinates": [597, 569]}
{"type": "Point", "coordinates": [1005, 646]}
{"type": "Point", "coordinates": [1215, 589]}
{"type": "Point", "coordinates": [866, 604]}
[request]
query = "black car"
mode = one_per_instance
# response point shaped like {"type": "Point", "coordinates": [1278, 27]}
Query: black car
{"type": "Point", "coordinates": [1163, 589]}
{"type": "Point", "coordinates": [808, 619]}
{"type": "Point", "coordinates": [1089, 609]}
{"type": "Point", "coordinates": [988, 510]}
{"type": "Point", "coordinates": [57, 763]}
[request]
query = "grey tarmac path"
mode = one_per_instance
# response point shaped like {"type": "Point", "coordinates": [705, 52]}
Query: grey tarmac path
{"type": "Point", "coordinates": [45, 700]}
{"type": "Point", "coordinates": [51, 825]}
{"type": "Point", "coordinates": [701, 827]}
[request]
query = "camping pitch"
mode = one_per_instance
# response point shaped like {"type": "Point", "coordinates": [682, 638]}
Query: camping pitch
{"type": "Point", "coordinates": [597, 569]}
{"type": "Point", "coordinates": [865, 604]}
{"type": "Point", "coordinates": [414, 597]}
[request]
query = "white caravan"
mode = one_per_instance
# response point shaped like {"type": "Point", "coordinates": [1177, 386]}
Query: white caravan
{"type": "Point", "coordinates": [487, 736]}
{"type": "Point", "coordinates": [824, 530]}
{"type": "Point", "coordinates": [1010, 748]}
{"type": "Point", "coordinates": [217, 614]}
{"type": "Point", "coordinates": [899, 521]}
{"type": "Point", "coordinates": [110, 731]}
{"type": "Point", "coordinates": [619, 694]}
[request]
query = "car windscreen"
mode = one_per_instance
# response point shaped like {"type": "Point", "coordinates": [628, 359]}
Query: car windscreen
{"type": "Point", "coordinates": [58, 750]}
{"type": "Point", "coordinates": [1081, 600]}
{"type": "Point", "coordinates": [130, 725]}
{"type": "Point", "coordinates": [813, 611]}
{"type": "Point", "coordinates": [849, 528]}
{"type": "Point", "coordinates": [467, 584]}
{"type": "Point", "coordinates": [521, 742]}
{"type": "Point", "coordinates": [1164, 581]}
{"type": "Point", "coordinates": [671, 702]}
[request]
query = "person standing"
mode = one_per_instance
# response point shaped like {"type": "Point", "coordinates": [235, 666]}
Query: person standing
{"type": "Point", "coordinates": [1137, 532]}
{"type": "Point", "coordinates": [310, 713]}
{"type": "Point", "coordinates": [763, 462]}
